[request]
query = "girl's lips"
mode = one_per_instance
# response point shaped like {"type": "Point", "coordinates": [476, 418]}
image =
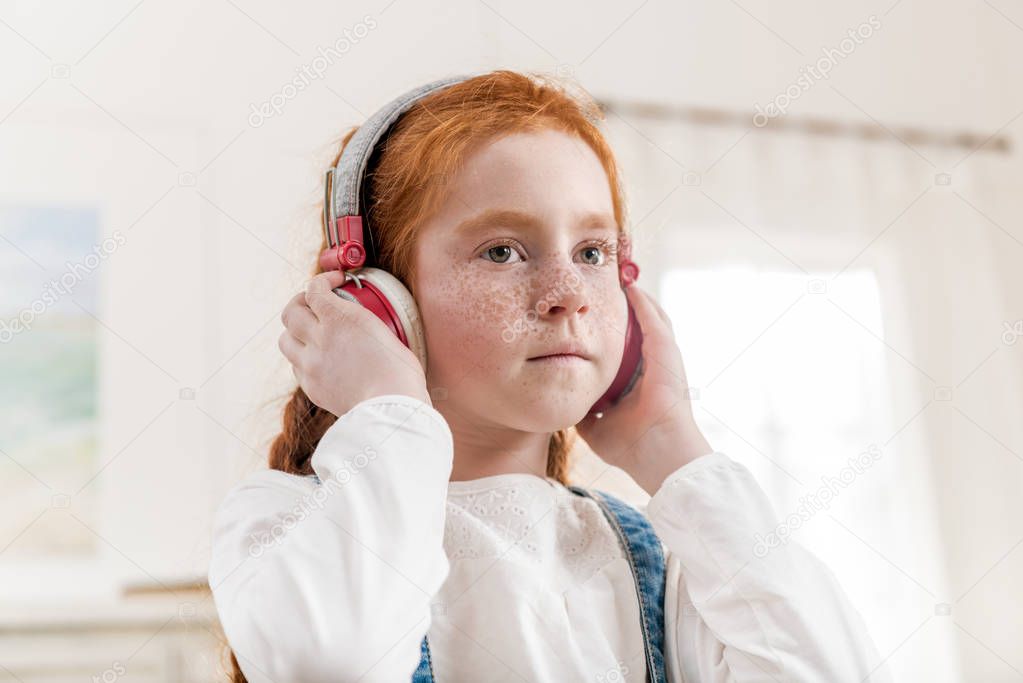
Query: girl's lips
{"type": "Point", "coordinates": [565, 349]}
{"type": "Point", "coordinates": [560, 358]}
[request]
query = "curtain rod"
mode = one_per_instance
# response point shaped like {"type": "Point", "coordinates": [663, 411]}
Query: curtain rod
{"type": "Point", "coordinates": [809, 125]}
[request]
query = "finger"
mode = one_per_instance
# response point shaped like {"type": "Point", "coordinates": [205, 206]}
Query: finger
{"type": "Point", "coordinates": [318, 294]}
{"type": "Point", "coordinates": [646, 311]}
{"type": "Point", "coordinates": [299, 319]}
{"type": "Point", "coordinates": [297, 300]}
{"type": "Point", "coordinates": [290, 347]}
{"type": "Point", "coordinates": [657, 306]}
{"type": "Point", "coordinates": [661, 313]}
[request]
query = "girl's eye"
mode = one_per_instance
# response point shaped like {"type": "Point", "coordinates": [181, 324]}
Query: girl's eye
{"type": "Point", "coordinates": [593, 253]}
{"type": "Point", "coordinates": [501, 253]}
{"type": "Point", "coordinates": [598, 253]}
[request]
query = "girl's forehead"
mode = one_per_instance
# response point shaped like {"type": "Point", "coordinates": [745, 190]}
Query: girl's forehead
{"type": "Point", "coordinates": [547, 174]}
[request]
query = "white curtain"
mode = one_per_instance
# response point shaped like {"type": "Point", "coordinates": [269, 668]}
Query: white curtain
{"type": "Point", "coordinates": [834, 296]}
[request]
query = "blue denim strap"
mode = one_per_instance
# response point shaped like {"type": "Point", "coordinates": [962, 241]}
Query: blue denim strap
{"type": "Point", "coordinates": [423, 672]}
{"type": "Point", "coordinates": [646, 559]}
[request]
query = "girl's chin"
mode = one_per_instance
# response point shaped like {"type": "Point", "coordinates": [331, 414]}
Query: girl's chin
{"type": "Point", "coordinates": [549, 416]}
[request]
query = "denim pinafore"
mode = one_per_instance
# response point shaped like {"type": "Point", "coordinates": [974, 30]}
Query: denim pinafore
{"type": "Point", "coordinates": [646, 558]}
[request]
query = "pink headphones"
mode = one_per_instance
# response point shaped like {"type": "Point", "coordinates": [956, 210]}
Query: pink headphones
{"type": "Point", "coordinates": [350, 246]}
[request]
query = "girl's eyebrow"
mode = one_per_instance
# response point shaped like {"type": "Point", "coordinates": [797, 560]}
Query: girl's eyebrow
{"type": "Point", "coordinates": [594, 220]}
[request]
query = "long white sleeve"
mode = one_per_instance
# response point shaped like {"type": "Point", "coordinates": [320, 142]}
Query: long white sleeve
{"type": "Point", "coordinates": [736, 611]}
{"type": "Point", "coordinates": [333, 581]}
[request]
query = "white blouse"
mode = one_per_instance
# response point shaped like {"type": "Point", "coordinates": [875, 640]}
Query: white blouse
{"type": "Point", "coordinates": [513, 577]}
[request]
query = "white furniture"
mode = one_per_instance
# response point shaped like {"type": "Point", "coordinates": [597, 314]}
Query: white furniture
{"type": "Point", "coordinates": [173, 638]}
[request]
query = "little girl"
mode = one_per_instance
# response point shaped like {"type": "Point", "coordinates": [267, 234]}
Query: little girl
{"type": "Point", "coordinates": [419, 524]}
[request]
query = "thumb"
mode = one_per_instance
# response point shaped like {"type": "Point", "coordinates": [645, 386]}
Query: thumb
{"type": "Point", "coordinates": [318, 294]}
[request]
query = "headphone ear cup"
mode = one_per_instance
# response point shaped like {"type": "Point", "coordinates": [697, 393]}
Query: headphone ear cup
{"type": "Point", "coordinates": [403, 305]}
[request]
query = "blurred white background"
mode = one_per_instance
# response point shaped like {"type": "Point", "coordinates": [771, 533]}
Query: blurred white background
{"type": "Point", "coordinates": [844, 278]}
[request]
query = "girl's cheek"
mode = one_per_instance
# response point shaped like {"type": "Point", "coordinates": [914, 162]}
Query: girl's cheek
{"type": "Point", "coordinates": [608, 314]}
{"type": "Point", "coordinates": [472, 307]}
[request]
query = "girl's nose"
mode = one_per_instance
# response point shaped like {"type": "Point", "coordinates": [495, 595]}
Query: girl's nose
{"type": "Point", "coordinates": [565, 294]}
{"type": "Point", "coordinates": [569, 306]}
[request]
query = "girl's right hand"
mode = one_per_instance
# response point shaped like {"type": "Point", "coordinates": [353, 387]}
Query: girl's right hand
{"type": "Point", "coordinates": [343, 354]}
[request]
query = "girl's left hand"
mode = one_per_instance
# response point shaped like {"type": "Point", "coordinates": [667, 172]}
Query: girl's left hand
{"type": "Point", "coordinates": [650, 432]}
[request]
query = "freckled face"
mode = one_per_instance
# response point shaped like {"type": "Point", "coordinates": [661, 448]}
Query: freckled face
{"type": "Point", "coordinates": [497, 293]}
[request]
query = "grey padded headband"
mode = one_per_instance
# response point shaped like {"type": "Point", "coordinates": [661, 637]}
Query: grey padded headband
{"type": "Point", "coordinates": [343, 183]}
